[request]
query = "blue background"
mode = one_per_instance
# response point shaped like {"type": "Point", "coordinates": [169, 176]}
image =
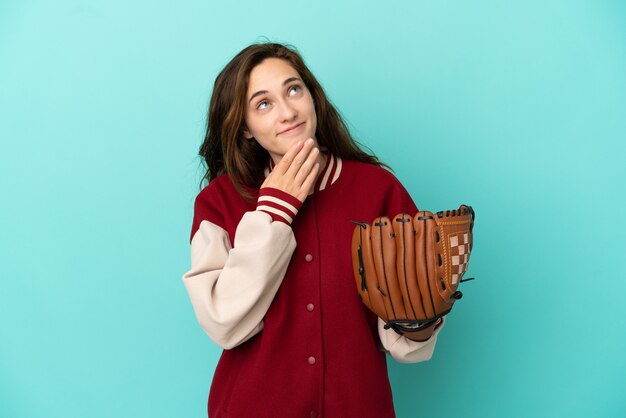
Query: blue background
{"type": "Point", "coordinates": [517, 108]}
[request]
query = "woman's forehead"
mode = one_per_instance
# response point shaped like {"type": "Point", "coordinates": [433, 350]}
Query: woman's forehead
{"type": "Point", "coordinates": [270, 73]}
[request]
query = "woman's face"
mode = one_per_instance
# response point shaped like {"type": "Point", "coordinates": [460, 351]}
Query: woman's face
{"type": "Point", "coordinates": [279, 109]}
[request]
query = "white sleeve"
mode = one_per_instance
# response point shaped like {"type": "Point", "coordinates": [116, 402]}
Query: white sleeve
{"type": "Point", "coordinates": [231, 289]}
{"type": "Point", "coordinates": [404, 350]}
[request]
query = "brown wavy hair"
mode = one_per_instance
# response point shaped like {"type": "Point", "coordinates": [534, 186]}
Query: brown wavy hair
{"type": "Point", "coordinates": [226, 150]}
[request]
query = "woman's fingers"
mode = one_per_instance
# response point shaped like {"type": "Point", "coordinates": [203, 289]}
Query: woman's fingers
{"type": "Point", "coordinates": [307, 185]}
{"type": "Point", "coordinates": [306, 167]}
{"type": "Point", "coordinates": [297, 170]}
{"type": "Point", "coordinates": [287, 159]}
{"type": "Point", "coordinates": [299, 159]}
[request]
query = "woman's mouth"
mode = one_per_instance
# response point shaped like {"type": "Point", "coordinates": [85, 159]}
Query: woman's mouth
{"type": "Point", "coordinates": [292, 129]}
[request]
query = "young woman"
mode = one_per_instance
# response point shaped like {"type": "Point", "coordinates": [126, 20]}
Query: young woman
{"type": "Point", "coordinates": [271, 279]}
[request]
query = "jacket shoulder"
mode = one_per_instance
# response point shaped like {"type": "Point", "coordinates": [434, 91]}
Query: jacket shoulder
{"type": "Point", "coordinates": [366, 171]}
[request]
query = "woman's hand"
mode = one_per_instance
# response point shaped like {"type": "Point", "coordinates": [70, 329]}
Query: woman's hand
{"type": "Point", "coordinates": [296, 172]}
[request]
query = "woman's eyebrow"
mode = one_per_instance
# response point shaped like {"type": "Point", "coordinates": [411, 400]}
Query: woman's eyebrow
{"type": "Point", "coordinates": [290, 79]}
{"type": "Point", "coordinates": [260, 92]}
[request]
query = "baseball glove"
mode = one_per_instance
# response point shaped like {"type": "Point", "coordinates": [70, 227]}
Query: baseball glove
{"type": "Point", "coordinates": [407, 270]}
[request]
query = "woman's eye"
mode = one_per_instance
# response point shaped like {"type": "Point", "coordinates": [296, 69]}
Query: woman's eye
{"type": "Point", "coordinates": [294, 90]}
{"type": "Point", "coordinates": [262, 105]}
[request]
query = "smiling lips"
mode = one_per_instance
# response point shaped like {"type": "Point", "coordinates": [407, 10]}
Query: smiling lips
{"type": "Point", "coordinates": [291, 129]}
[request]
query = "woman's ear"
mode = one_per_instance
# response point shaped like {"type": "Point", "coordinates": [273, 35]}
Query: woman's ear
{"type": "Point", "coordinates": [246, 133]}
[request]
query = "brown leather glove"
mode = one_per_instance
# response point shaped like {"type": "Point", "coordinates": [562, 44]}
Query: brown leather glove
{"type": "Point", "coordinates": [407, 270]}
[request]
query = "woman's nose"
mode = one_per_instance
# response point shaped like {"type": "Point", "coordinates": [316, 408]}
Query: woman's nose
{"type": "Point", "coordinates": [287, 111]}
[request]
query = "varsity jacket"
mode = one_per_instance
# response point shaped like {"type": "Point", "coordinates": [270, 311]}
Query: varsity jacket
{"type": "Point", "coordinates": [272, 284]}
